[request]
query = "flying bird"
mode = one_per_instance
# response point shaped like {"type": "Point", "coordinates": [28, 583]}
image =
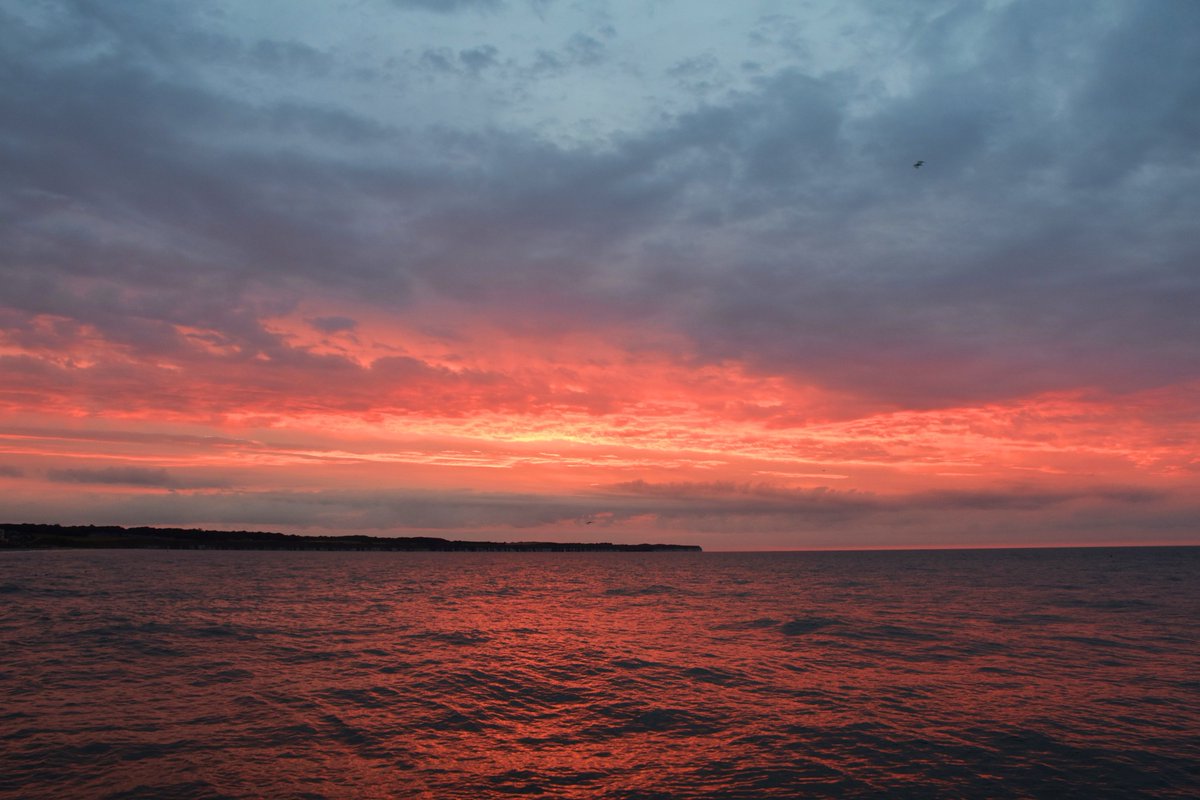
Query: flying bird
{"type": "Point", "coordinates": [918, 165]}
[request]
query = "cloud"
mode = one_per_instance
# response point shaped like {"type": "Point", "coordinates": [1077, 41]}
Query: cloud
{"type": "Point", "coordinates": [779, 225]}
{"type": "Point", "coordinates": [128, 476]}
{"type": "Point", "coordinates": [290, 58]}
{"type": "Point", "coordinates": [477, 59]}
{"type": "Point", "coordinates": [11, 472]}
{"type": "Point", "coordinates": [333, 325]}
{"type": "Point", "coordinates": [123, 476]}
{"type": "Point", "coordinates": [397, 384]}
{"type": "Point", "coordinates": [359, 510]}
{"type": "Point", "coordinates": [763, 498]}
{"type": "Point", "coordinates": [585, 49]}
{"type": "Point", "coordinates": [134, 437]}
{"type": "Point", "coordinates": [745, 516]}
{"type": "Point", "coordinates": [822, 517]}
{"type": "Point", "coordinates": [447, 6]}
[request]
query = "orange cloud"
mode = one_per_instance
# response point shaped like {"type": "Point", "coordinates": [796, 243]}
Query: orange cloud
{"type": "Point", "coordinates": [354, 401]}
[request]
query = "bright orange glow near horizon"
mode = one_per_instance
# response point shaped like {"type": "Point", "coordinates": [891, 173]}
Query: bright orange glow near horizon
{"type": "Point", "coordinates": [388, 431]}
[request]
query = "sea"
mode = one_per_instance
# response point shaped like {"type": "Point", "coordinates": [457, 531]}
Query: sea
{"type": "Point", "coordinates": [1044, 673]}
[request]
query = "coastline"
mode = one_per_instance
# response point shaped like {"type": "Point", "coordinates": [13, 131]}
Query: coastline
{"type": "Point", "coordinates": [38, 536]}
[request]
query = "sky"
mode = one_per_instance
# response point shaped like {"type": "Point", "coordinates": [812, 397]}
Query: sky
{"type": "Point", "coordinates": [597, 270]}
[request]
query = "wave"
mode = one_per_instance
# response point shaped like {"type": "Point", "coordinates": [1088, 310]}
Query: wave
{"type": "Point", "coordinates": [747, 625]}
{"type": "Point", "coordinates": [647, 591]}
{"type": "Point", "coordinates": [800, 626]}
{"type": "Point", "coordinates": [612, 678]}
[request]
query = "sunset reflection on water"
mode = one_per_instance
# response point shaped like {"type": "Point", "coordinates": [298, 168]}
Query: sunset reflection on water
{"type": "Point", "coordinates": [206, 674]}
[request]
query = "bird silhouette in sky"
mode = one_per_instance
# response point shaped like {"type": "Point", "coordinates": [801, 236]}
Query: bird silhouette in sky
{"type": "Point", "coordinates": [918, 165]}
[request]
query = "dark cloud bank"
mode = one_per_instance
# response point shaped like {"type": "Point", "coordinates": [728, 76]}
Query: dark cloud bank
{"type": "Point", "coordinates": [728, 513]}
{"type": "Point", "coordinates": [1048, 243]}
{"type": "Point", "coordinates": [144, 477]}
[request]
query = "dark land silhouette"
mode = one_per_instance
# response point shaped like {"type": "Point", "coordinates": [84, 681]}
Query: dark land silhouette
{"type": "Point", "coordinates": [33, 536]}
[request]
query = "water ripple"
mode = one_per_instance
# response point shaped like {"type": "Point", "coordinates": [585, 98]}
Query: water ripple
{"type": "Point", "coordinates": [343, 675]}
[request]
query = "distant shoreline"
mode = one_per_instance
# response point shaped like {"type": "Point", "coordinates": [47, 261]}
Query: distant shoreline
{"type": "Point", "coordinates": [36, 536]}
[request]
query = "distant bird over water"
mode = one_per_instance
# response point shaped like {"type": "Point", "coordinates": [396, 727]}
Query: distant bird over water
{"type": "Point", "coordinates": [918, 165]}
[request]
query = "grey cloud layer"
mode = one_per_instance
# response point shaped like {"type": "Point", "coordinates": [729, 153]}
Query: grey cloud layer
{"type": "Point", "coordinates": [764, 515]}
{"type": "Point", "coordinates": [1048, 242]}
{"type": "Point", "coordinates": [129, 476]}
{"type": "Point", "coordinates": [121, 476]}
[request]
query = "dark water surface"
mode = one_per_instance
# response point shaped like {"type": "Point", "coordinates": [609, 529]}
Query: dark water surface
{"type": "Point", "coordinates": [1037, 673]}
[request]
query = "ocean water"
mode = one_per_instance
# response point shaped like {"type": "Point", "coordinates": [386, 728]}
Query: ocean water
{"type": "Point", "coordinates": [1036, 673]}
